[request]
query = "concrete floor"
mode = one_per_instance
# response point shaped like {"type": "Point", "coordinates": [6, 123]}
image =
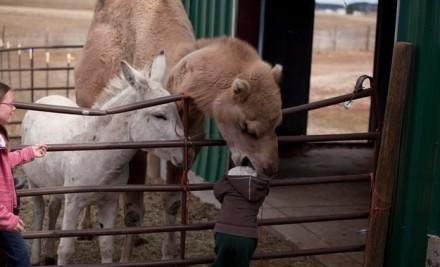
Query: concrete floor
{"type": "Point", "coordinates": [324, 199]}
{"type": "Point", "coordinates": [320, 199]}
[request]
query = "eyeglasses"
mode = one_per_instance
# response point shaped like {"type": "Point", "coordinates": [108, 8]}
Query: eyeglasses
{"type": "Point", "coordinates": [9, 105]}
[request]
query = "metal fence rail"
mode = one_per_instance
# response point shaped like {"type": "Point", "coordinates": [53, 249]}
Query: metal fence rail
{"type": "Point", "coordinates": [186, 143]}
{"type": "Point", "coordinates": [190, 187]}
{"type": "Point", "coordinates": [189, 227]}
{"type": "Point", "coordinates": [257, 256]}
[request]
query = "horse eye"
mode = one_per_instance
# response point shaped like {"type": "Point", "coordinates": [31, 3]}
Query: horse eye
{"type": "Point", "coordinates": [160, 117]}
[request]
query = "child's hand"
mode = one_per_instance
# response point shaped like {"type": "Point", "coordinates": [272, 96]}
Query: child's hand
{"type": "Point", "coordinates": [39, 150]}
{"type": "Point", "coordinates": [20, 226]}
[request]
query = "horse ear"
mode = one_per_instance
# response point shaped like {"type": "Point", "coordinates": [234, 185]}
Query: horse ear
{"type": "Point", "coordinates": [129, 73]}
{"type": "Point", "coordinates": [240, 89]}
{"type": "Point", "coordinates": [99, 5]}
{"type": "Point", "coordinates": [277, 71]}
{"type": "Point", "coordinates": [158, 67]}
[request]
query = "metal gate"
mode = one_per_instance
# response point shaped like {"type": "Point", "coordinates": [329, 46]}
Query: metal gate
{"type": "Point", "coordinates": [33, 70]}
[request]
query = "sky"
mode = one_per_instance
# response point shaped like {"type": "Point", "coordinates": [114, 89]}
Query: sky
{"type": "Point", "coordinates": [341, 2]}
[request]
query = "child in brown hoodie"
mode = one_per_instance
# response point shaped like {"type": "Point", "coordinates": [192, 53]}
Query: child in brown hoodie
{"type": "Point", "coordinates": [241, 193]}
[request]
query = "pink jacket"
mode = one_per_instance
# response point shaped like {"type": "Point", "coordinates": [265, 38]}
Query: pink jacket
{"type": "Point", "coordinates": [8, 199]}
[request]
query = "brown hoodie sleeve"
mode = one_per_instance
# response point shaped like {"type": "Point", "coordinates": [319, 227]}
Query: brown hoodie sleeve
{"type": "Point", "coordinates": [221, 188]}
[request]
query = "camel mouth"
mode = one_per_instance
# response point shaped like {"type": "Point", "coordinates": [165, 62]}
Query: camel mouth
{"type": "Point", "coordinates": [245, 162]}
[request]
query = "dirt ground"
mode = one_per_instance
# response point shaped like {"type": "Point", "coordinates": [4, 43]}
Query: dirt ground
{"type": "Point", "coordinates": [333, 73]}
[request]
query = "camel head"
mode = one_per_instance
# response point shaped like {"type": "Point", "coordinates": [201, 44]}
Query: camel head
{"type": "Point", "coordinates": [247, 114]}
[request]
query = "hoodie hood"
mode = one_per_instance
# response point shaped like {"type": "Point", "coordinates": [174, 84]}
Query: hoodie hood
{"type": "Point", "coordinates": [250, 187]}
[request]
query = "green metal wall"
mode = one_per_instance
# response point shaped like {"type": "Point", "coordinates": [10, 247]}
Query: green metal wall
{"type": "Point", "coordinates": [211, 18]}
{"type": "Point", "coordinates": [417, 199]}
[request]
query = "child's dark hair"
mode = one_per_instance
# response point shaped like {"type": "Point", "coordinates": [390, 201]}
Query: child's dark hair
{"type": "Point", "coordinates": [4, 88]}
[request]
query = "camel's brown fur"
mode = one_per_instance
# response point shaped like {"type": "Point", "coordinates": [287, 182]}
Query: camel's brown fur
{"type": "Point", "coordinates": [133, 31]}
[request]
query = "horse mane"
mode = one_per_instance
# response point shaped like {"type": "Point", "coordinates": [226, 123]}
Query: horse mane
{"type": "Point", "coordinates": [114, 87]}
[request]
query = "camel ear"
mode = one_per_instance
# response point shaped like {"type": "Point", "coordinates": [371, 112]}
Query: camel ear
{"type": "Point", "coordinates": [277, 72]}
{"type": "Point", "coordinates": [240, 89]}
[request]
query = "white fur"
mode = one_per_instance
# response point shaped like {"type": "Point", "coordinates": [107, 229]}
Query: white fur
{"type": "Point", "coordinates": [242, 170]}
{"type": "Point", "coordinates": [101, 167]}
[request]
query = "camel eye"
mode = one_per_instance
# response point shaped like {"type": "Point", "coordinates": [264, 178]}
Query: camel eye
{"type": "Point", "coordinates": [243, 126]}
{"type": "Point", "coordinates": [160, 117]}
{"type": "Point", "coordinates": [244, 129]}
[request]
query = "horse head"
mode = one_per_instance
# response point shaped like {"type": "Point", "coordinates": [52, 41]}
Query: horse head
{"type": "Point", "coordinates": [160, 122]}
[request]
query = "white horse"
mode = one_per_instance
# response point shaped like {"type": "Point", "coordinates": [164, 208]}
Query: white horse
{"type": "Point", "coordinates": [105, 167]}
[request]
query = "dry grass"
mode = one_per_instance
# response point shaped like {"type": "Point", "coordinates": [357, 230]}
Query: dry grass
{"type": "Point", "coordinates": [199, 243]}
{"type": "Point", "coordinates": [329, 21]}
{"type": "Point", "coordinates": [335, 73]}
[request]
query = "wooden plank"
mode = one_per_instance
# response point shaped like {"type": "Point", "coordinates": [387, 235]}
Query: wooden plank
{"type": "Point", "coordinates": [386, 172]}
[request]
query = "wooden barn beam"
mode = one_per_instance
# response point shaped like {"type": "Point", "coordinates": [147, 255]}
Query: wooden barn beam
{"type": "Point", "coordinates": [386, 172]}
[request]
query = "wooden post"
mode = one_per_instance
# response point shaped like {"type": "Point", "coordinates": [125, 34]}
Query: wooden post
{"type": "Point", "coordinates": [386, 171]}
{"type": "Point", "coordinates": [367, 38]}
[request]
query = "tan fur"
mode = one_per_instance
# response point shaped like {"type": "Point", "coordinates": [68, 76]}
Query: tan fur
{"type": "Point", "coordinates": [130, 31]}
{"type": "Point", "coordinates": [207, 75]}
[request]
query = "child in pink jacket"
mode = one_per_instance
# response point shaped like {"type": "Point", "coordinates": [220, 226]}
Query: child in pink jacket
{"type": "Point", "coordinates": [11, 241]}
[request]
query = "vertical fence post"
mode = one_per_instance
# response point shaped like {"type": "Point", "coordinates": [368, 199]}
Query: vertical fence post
{"type": "Point", "coordinates": [46, 38]}
{"type": "Point", "coordinates": [69, 58]}
{"type": "Point", "coordinates": [8, 62]}
{"type": "Point", "coordinates": [19, 66]}
{"type": "Point", "coordinates": [1, 59]}
{"type": "Point", "coordinates": [1, 46]}
{"type": "Point", "coordinates": [386, 171]}
{"type": "Point", "coordinates": [31, 63]}
{"type": "Point", "coordinates": [47, 71]}
{"type": "Point", "coordinates": [335, 37]}
{"type": "Point", "coordinates": [367, 40]}
{"type": "Point", "coordinates": [184, 179]}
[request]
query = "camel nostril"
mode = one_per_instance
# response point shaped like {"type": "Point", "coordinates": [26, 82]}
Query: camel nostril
{"type": "Point", "coordinates": [268, 172]}
{"type": "Point", "coordinates": [245, 162]}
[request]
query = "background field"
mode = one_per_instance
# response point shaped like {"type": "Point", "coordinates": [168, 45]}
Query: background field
{"type": "Point", "coordinates": [62, 22]}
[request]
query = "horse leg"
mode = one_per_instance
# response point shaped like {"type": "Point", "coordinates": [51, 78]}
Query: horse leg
{"type": "Point", "coordinates": [106, 219]}
{"type": "Point", "coordinates": [86, 223]}
{"type": "Point", "coordinates": [134, 202]}
{"type": "Point", "coordinates": [72, 210]}
{"type": "Point", "coordinates": [171, 203]}
{"type": "Point", "coordinates": [127, 248]}
{"type": "Point", "coordinates": [37, 225]}
{"type": "Point", "coordinates": [53, 212]}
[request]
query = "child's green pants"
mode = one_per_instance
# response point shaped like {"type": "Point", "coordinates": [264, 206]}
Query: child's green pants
{"type": "Point", "coordinates": [233, 251]}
